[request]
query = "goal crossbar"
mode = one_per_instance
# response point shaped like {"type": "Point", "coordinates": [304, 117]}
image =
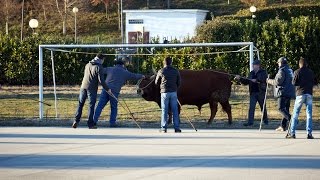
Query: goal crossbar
{"type": "Point", "coordinates": [42, 47]}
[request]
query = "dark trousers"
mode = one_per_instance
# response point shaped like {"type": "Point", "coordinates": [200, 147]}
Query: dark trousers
{"type": "Point", "coordinates": [84, 94]}
{"type": "Point", "coordinates": [254, 98]}
{"type": "Point", "coordinates": [284, 109]}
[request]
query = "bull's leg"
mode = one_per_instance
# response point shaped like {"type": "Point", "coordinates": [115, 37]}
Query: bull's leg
{"type": "Point", "coordinates": [227, 108]}
{"type": "Point", "coordinates": [214, 109]}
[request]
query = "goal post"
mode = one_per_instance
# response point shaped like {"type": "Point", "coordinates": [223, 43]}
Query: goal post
{"type": "Point", "coordinates": [42, 47]}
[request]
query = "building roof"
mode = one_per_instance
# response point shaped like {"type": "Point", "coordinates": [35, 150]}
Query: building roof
{"type": "Point", "coordinates": [164, 10]}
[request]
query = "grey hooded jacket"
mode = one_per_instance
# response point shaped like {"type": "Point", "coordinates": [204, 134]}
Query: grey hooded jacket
{"type": "Point", "coordinates": [283, 83]}
{"type": "Point", "coordinates": [93, 75]}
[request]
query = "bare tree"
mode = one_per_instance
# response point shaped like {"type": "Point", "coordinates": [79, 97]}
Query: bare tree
{"type": "Point", "coordinates": [106, 3]}
{"type": "Point", "coordinates": [22, 20]}
{"type": "Point", "coordinates": [64, 13]}
{"type": "Point", "coordinates": [7, 16]}
{"type": "Point", "coordinates": [255, 2]}
{"type": "Point", "coordinates": [10, 8]}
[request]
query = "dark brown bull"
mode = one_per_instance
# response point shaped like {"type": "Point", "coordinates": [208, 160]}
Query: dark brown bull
{"type": "Point", "coordinates": [197, 88]}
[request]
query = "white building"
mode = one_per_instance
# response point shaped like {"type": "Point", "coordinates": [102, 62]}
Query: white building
{"type": "Point", "coordinates": [163, 24]}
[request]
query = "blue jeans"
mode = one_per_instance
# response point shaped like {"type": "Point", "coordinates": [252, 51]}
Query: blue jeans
{"type": "Point", "coordinates": [104, 99]}
{"type": "Point", "coordinates": [84, 93]}
{"type": "Point", "coordinates": [171, 99]}
{"type": "Point", "coordinates": [300, 100]}
{"type": "Point", "coordinates": [254, 98]}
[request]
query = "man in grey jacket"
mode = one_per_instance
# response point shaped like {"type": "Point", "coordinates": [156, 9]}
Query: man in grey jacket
{"type": "Point", "coordinates": [93, 75]}
{"type": "Point", "coordinates": [284, 91]}
{"type": "Point", "coordinates": [169, 80]}
{"type": "Point", "coordinates": [116, 78]}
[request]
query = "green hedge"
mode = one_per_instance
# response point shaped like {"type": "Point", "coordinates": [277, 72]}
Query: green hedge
{"type": "Point", "coordinates": [274, 38]}
{"type": "Point", "coordinates": [19, 61]}
{"type": "Point", "coordinates": [280, 12]}
{"type": "Point", "coordinates": [299, 36]}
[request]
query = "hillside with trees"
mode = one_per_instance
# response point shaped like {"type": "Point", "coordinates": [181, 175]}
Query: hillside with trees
{"type": "Point", "coordinates": [281, 28]}
{"type": "Point", "coordinates": [99, 19]}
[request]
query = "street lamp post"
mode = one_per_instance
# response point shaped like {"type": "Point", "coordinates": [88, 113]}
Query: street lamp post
{"type": "Point", "coordinates": [253, 9]}
{"type": "Point", "coordinates": [33, 23]}
{"type": "Point", "coordinates": [75, 10]}
{"type": "Point", "coordinates": [121, 21]}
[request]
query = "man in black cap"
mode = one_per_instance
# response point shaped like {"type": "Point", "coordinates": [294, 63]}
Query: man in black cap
{"type": "Point", "coordinates": [284, 91]}
{"type": "Point", "coordinates": [257, 87]}
{"type": "Point", "coordinates": [93, 75]}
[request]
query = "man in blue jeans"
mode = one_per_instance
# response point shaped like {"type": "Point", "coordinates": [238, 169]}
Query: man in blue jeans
{"type": "Point", "coordinates": [169, 80]}
{"type": "Point", "coordinates": [304, 82]}
{"type": "Point", "coordinates": [284, 91]}
{"type": "Point", "coordinates": [93, 75]}
{"type": "Point", "coordinates": [116, 78]}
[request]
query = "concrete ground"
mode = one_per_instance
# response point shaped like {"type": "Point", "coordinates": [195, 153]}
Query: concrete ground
{"type": "Point", "coordinates": [65, 153]}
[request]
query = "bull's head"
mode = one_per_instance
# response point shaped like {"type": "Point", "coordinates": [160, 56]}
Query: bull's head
{"type": "Point", "coordinates": [147, 88]}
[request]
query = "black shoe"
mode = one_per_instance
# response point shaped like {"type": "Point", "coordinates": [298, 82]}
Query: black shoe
{"type": "Point", "coordinates": [177, 130]}
{"type": "Point", "coordinates": [289, 136]}
{"type": "Point", "coordinates": [248, 124]}
{"type": "Point", "coordinates": [93, 127]}
{"type": "Point", "coordinates": [75, 124]}
{"type": "Point", "coordinates": [114, 125]}
{"type": "Point", "coordinates": [310, 136]}
{"type": "Point", "coordinates": [163, 130]}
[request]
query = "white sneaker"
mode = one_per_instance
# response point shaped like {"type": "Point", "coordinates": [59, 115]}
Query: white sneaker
{"type": "Point", "coordinates": [280, 129]}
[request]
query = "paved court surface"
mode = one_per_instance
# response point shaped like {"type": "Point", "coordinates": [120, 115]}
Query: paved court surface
{"type": "Point", "coordinates": [65, 153]}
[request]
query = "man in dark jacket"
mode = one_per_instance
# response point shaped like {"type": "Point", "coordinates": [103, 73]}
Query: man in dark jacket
{"type": "Point", "coordinates": [284, 91]}
{"type": "Point", "coordinates": [169, 80]}
{"type": "Point", "coordinates": [257, 87]}
{"type": "Point", "coordinates": [93, 75]}
{"type": "Point", "coordinates": [304, 81]}
{"type": "Point", "coordinates": [116, 78]}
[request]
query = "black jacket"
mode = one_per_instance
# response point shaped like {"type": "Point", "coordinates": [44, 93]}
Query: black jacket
{"type": "Point", "coordinates": [261, 77]}
{"type": "Point", "coordinates": [169, 79]}
{"type": "Point", "coordinates": [304, 81]}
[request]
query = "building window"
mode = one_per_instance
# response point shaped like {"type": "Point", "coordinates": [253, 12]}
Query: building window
{"type": "Point", "coordinates": [135, 21]}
